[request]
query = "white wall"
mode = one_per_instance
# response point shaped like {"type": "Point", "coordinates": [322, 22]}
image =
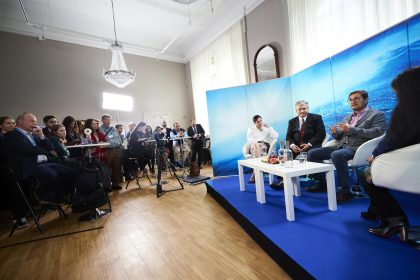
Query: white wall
{"type": "Point", "coordinates": [268, 24]}
{"type": "Point", "coordinates": [51, 77]}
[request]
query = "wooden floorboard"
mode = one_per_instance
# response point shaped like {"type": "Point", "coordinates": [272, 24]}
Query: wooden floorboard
{"type": "Point", "coordinates": [182, 235]}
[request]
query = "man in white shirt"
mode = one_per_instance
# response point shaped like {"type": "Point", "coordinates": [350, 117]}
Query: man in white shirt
{"type": "Point", "coordinates": [259, 136]}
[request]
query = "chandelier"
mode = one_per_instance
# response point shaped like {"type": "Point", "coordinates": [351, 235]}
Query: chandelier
{"type": "Point", "coordinates": [185, 2]}
{"type": "Point", "coordinates": [118, 74]}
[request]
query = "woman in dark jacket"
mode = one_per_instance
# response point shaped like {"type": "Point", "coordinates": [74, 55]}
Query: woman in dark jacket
{"type": "Point", "coordinates": [72, 136]}
{"type": "Point", "coordinates": [404, 130]}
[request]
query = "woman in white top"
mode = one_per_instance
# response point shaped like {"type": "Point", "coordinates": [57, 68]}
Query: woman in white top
{"type": "Point", "coordinates": [260, 135]}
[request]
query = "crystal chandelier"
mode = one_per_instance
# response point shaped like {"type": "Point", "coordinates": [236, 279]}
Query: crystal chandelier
{"type": "Point", "coordinates": [118, 74]}
{"type": "Point", "coordinates": [185, 2]}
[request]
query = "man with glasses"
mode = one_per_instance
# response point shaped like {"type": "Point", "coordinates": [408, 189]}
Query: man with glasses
{"type": "Point", "coordinates": [362, 125]}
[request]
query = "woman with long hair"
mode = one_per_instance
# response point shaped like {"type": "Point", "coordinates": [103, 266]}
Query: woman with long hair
{"type": "Point", "coordinates": [58, 139]}
{"type": "Point", "coordinates": [72, 136]}
{"type": "Point", "coordinates": [96, 137]}
{"type": "Point", "coordinates": [403, 131]}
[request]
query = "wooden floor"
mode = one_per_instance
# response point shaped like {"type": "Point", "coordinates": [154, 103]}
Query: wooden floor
{"type": "Point", "coordinates": [181, 235]}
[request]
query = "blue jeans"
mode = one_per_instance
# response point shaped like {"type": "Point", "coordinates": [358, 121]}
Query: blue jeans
{"type": "Point", "coordinates": [339, 158]}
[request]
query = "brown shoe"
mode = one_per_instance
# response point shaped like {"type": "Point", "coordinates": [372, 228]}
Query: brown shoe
{"type": "Point", "coordinates": [317, 188]}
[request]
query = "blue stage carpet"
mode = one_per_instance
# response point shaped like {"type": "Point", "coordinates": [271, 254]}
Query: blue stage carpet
{"type": "Point", "coordinates": [321, 243]}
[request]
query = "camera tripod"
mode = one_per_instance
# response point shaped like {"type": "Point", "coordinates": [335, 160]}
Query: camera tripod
{"type": "Point", "coordinates": [170, 165]}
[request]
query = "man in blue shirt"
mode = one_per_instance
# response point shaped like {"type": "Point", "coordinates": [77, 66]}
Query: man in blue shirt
{"type": "Point", "coordinates": [114, 151]}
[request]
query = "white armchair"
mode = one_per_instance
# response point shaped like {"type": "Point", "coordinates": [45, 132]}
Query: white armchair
{"type": "Point", "coordinates": [359, 159]}
{"type": "Point", "coordinates": [398, 169]}
{"type": "Point", "coordinates": [247, 147]}
{"type": "Point", "coordinates": [364, 152]}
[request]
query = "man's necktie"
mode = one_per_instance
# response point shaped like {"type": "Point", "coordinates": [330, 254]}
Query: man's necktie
{"type": "Point", "coordinates": [302, 128]}
{"type": "Point", "coordinates": [31, 138]}
{"type": "Point", "coordinates": [195, 131]}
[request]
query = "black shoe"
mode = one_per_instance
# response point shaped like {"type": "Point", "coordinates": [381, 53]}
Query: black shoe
{"type": "Point", "coordinates": [317, 188]}
{"type": "Point", "coordinates": [277, 185]}
{"type": "Point", "coordinates": [391, 226]}
{"type": "Point", "coordinates": [116, 187]}
{"type": "Point", "coordinates": [21, 223]}
{"type": "Point", "coordinates": [343, 196]}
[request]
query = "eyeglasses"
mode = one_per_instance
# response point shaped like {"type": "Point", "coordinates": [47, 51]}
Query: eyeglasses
{"type": "Point", "coordinates": [354, 99]}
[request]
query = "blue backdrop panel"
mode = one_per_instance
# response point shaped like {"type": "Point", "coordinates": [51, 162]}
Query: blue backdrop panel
{"type": "Point", "coordinates": [227, 119]}
{"type": "Point", "coordinates": [414, 40]}
{"type": "Point", "coordinates": [314, 85]}
{"type": "Point", "coordinates": [371, 65]}
{"type": "Point", "coordinates": [271, 100]}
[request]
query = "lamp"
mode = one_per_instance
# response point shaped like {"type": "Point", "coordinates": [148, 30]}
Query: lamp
{"type": "Point", "coordinates": [118, 74]}
{"type": "Point", "coordinates": [185, 2]}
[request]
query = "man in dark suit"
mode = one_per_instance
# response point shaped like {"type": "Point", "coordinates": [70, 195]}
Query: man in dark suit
{"type": "Point", "coordinates": [25, 149]}
{"type": "Point", "coordinates": [362, 125]}
{"type": "Point", "coordinates": [196, 132]}
{"type": "Point", "coordinates": [305, 131]}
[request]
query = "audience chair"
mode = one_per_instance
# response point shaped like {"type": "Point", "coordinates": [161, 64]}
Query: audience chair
{"type": "Point", "coordinates": [399, 170]}
{"type": "Point", "coordinates": [7, 172]}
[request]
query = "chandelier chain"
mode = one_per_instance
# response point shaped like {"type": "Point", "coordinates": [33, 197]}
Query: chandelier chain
{"type": "Point", "coordinates": [113, 17]}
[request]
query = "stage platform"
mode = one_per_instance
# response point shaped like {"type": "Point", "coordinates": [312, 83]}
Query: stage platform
{"type": "Point", "coordinates": [320, 244]}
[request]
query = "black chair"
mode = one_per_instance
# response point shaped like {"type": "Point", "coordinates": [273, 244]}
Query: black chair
{"type": "Point", "coordinates": [8, 174]}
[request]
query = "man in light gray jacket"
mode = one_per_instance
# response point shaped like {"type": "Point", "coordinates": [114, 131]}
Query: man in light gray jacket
{"type": "Point", "coordinates": [362, 125]}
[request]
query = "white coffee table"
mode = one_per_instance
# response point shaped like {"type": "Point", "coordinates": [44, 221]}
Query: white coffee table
{"type": "Point", "coordinates": [290, 179]}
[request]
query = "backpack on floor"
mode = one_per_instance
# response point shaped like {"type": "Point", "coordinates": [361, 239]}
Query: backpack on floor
{"type": "Point", "coordinates": [194, 170]}
{"type": "Point", "coordinates": [92, 184]}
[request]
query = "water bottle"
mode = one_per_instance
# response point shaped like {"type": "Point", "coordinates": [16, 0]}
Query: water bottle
{"type": "Point", "coordinates": [253, 153]}
{"type": "Point", "coordinates": [281, 153]}
{"type": "Point", "coordinates": [263, 150]}
{"type": "Point", "coordinates": [88, 139]}
{"type": "Point", "coordinates": [288, 155]}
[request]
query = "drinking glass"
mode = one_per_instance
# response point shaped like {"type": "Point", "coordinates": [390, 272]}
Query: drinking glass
{"type": "Point", "coordinates": [302, 157]}
{"type": "Point", "coordinates": [263, 150]}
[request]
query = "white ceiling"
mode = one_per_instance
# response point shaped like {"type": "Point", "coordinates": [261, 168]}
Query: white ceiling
{"type": "Point", "coordinates": [160, 29]}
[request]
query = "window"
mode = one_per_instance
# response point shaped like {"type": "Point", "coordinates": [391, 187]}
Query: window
{"type": "Point", "coordinates": [117, 102]}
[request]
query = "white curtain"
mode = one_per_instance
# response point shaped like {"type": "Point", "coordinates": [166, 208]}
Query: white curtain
{"type": "Point", "coordinates": [321, 28]}
{"type": "Point", "coordinates": [221, 64]}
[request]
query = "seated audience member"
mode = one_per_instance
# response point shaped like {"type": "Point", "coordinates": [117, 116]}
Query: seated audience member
{"type": "Point", "coordinates": [166, 131]}
{"type": "Point", "coordinates": [11, 197]}
{"type": "Point", "coordinates": [197, 134]}
{"type": "Point", "coordinates": [114, 152]}
{"type": "Point", "coordinates": [401, 133]}
{"type": "Point", "coordinates": [7, 124]}
{"type": "Point", "coordinates": [48, 121]}
{"type": "Point", "coordinates": [25, 149]}
{"type": "Point", "coordinates": [72, 136]}
{"type": "Point", "coordinates": [80, 126]}
{"type": "Point", "coordinates": [180, 147]}
{"type": "Point", "coordinates": [96, 137]}
{"type": "Point", "coordinates": [259, 135]}
{"type": "Point", "coordinates": [137, 146]}
{"type": "Point", "coordinates": [58, 139]}
{"type": "Point", "coordinates": [362, 125]}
